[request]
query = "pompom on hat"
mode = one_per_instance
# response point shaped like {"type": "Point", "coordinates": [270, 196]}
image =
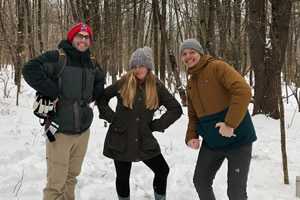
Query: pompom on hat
{"type": "Point", "coordinates": [191, 44]}
{"type": "Point", "coordinates": [142, 56]}
{"type": "Point", "coordinates": [78, 27]}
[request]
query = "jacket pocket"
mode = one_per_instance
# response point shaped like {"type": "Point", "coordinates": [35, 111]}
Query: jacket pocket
{"type": "Point", "coordinates": [116, 138]}
{"type": "Point", "coordinates": [211, 135]}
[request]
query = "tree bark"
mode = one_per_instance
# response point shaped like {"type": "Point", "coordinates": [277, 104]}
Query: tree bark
{"type": "Point", "coordinates": [20, 45]}
{"type": "Point", "coordinates": [162, 67]}
{"type": "Point", "coordinates": [204, 31]}
{"type": "Point", "coordinates": [265, 98]}
{"type": "Point", "coordinates": [39, 18]}
{"type": "Point", "coordinates": [106, 39]}
{"type": "Point", "coordinates": [30, 35]}
{"type": "Point", "coordinates": [155, 36]}
{"type": "Point", "coordinates": [134, 25]}
{"type": "Point", "coordinates": [73, 11]}
{"type": "Point", "coordinates": [211, 24]}
{"type": "Point", "coordinates": [119, 37]}
{"type": "Point", "coordinates": [237, 42]}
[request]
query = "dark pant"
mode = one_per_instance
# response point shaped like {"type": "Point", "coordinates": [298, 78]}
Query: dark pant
{"type": "Point", "coordinates": [209, 162]}
{"type": "Point", "coordinates": [157, 164]}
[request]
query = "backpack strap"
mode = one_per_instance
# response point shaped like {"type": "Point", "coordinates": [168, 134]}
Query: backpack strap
{"type": "Point", "coordinates": [93, 61]}
{"type": "Point", "coordinates": [62, 60]}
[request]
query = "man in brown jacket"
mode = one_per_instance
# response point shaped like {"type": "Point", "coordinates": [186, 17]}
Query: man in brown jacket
{"type": "Point", "coordinates": [218, 99]}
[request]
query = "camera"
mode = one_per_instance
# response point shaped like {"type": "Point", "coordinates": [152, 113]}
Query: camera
{"type": "Point", "coordinates": [51, 130]}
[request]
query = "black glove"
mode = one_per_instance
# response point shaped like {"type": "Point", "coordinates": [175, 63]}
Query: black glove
{"type": "Point", "coordinates": [42, 105]}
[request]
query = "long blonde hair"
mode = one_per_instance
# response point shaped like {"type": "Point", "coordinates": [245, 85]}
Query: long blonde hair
{"type": "Point", "coordinates": [128, 90]}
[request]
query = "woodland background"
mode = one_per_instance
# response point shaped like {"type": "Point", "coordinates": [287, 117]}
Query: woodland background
{"type": "Point", "coordinates": [259, 38]}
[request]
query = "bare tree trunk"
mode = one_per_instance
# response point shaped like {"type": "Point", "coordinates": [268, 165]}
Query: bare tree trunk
{"type": "Point", "coordinates": [204, 31]}
{"type": "Point", "coordinates": [176, 9]}
{"type": "Point", "coordinates": [129, 34]}
{"type": "Point", "coordinates": [134, 25]}
{"type": "Point", "coordinates": [222, 19]}
{"type": "Point", "coordinates": [119, 37]}
{"type": "Point", "coordinates": [296, 47]}
{"type": "Point", "coordinates": [113, 42]}
{"type": "Point", "coordinates": [30, 35]}
{"type": "Point", "coordinates": [282, 131]}
{"type": "Point", "coordinates": [108, 40]}
{"type": "Point", "coordinates": [20, 45]}
{"type": "Point", "coordinates": [162, 72]}
{"type": "Point", "coordinates": [46, 28]}
{"type": "Point", "coordinates": [73, 10]}
{"type": "Point", "coordinates": [155, 35]}
{"type": "Point", "coordinates": [40, 26]}
{"type": "Point", "coordinates": [106, 30]}
{"type": "Point", "coordinates": [281, 13]}
{"type": "Point", "coordinates": [236, 44]}
{"type": "Point", "coordinates": [296, 54]}
{"type": "Point", "coordinates": [245, 52]}
{"type": "Point", "coordinates": [265, 98]}
{"type": "Point", "coordinates": [84, 7]}
{"type": "Point", "coordinates": [96, 27]}
{"type": "Point", "coordinates": [149, 30]}
{"type": "Point", "coordinates": [10, 41]}
{"type": "Point", "coordinates": [211, 22]}
{"type": "Point", "coordinates": [141, 24]}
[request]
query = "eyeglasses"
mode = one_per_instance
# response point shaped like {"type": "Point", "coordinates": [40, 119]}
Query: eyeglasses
{"type": "Point", "coordinates": [86, 37]}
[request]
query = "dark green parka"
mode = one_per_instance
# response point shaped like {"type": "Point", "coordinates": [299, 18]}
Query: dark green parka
{"type": "Point", "coordinates": [81, 81]}
{"type": "Point", "coordinates": [129, 137]}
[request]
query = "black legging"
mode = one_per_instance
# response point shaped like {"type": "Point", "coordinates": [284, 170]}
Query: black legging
{"type": "Point", "coordinates": [157, 164]}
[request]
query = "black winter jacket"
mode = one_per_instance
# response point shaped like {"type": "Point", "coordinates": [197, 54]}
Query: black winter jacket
{"type": "Point", "coordinates": [129, 137]}
{"type": "Point", "coordinates": [80, 81]}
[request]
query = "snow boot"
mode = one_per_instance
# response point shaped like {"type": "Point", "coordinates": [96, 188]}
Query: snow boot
{"type": "Point", "coordinates": [159, 196]}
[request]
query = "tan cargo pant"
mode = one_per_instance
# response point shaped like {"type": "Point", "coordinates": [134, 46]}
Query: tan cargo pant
{"type": "Point", "coordinates": [64, 160]}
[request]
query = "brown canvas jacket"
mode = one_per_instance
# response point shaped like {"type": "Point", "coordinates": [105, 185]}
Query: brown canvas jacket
{"type": "Point", "coordinates": [213, 86]}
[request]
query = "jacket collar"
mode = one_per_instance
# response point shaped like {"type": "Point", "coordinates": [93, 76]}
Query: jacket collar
{"type": "Point", "coordinates": [204, 60]}
{"type": "Point", "coordinates": [72, 51]}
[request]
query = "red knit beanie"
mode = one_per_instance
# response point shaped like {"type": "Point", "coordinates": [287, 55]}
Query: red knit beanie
{"type": "Point", "coordinates": [78, 27]}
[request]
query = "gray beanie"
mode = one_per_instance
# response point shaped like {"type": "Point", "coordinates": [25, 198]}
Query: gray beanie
{"type": "Point", "coordinates": [191, 44]}
{"type": "Point", "coordinates": [142, 56]}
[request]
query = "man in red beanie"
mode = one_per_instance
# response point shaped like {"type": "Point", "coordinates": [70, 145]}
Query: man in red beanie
{"type": "Point", "coordinates": [80, 35]}
{"type": "Point", "coordinates": [80, 83]}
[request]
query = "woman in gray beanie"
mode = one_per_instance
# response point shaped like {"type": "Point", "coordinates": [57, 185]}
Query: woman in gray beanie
{"type": "Point", "coordinates": [218, 99]}
{"type": "Point", "coordinates": [129, 137]}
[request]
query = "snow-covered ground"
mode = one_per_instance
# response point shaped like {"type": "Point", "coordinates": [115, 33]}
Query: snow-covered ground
{"type": "Point", "coordinates": [23, 165]}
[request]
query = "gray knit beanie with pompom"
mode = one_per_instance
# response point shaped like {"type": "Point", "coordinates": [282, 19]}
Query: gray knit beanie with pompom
{"type": "Point", "coordinates": [142, 56]}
